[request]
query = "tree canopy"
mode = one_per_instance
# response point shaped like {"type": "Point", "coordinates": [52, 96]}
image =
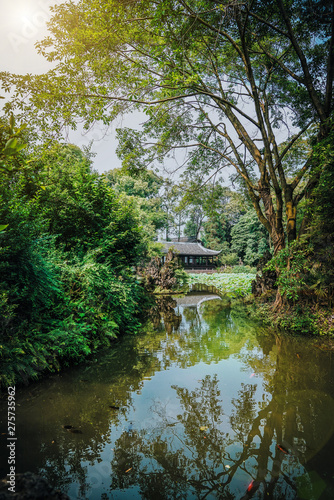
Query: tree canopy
{"type": "Point", "coordinates": [221, 79]}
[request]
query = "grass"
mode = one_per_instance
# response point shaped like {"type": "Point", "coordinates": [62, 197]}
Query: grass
{"type": "Point", "coordinates": [233, 284]}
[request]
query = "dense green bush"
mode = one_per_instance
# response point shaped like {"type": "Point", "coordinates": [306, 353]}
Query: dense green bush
{"type": "Point", "coordinates": [67, 260]}
{"type": "Point", "coordinates": [250, 239]}
{"type": "Point", "coordinates": [56, 308]}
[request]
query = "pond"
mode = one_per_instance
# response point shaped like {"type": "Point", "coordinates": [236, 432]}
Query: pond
{"type": "Point", "coordinates": [204, 403]}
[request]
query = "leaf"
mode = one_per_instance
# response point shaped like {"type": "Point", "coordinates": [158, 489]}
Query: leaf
{"type": "Point", "coordinates": [3, 227]}
{"type": "Point", "coordinates": [203, 428]}
{"type": "Point", "coordinates": [12, 121]}
{"type": "Point", "coordinates": [20, 147]}
{"type": "Point", "coordinates": [12, 147]}
{"type": "Point", "coordinates": [11, 143]}
{"type": "Point", "coordinates": [23, 127]}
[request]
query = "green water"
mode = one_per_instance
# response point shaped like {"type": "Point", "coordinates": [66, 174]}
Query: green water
{"type": "Point", "coordinates": [192, 408]}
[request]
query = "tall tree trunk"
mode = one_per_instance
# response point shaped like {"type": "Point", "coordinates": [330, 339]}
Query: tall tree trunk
{"type": "Point", "coordinates": [273, 217]}
{"type": "Point", "coordinates": [291, 214]}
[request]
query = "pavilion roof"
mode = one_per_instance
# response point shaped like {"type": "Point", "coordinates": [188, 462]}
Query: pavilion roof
{"type": "Point", "coordinates": [186, 248]}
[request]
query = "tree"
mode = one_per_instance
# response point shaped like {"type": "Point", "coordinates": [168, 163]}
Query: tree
{"type": "Point", "coordinates": [81, 210]}
{"type": "Point", "coordinates": [170, 199]}
{"type": "Point", "coordinates": [143, 191]}
{"type": "Point", "coordinates": [249, 239]}
{"type": "Point", "coordinates": [216, 233]}
{"type": "Point", "coordinates": [66, 285]}
{"type": "Point", "coordinates": [195, 222]}
{"type": "Point", "coordinates": [212, 210]}
{"type": "Point", "coordinates": [222, 92]}
{"type": "Point", "coordinates": [224, 209]}
{"type": "Point", "coordinates": [11, 144]}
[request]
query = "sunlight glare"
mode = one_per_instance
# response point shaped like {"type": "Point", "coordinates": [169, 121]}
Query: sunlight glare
{"type": "Point", "coordinates": [27, 13]}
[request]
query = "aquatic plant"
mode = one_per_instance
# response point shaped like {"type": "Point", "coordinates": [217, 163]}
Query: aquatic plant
{"type": "Point", "coordinates": [233, 285]}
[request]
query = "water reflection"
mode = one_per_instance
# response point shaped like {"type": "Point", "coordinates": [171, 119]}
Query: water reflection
{"type": "Point", "coordinates": [163, 315]}
{"type": "Point", "coordinates": [203, 404]}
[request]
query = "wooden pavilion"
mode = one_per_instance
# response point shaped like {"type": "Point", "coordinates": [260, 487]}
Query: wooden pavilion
{"type": "Point", "coordinates": [192, 254]}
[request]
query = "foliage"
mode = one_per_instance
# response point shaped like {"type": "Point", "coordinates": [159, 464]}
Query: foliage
{"type": "Point", "coordinates": [238, 269]}
{"type": "Point", "coordinates": [193, 225]}
{"type": "Point", "coordinates": [220, 93]}
{"type": "Point", "coordinates": [227, 258]}
{"type": "Point", "coordinates": [306, 266]}
{"type": "Point", "coordinates": [61, 309]}
{"type": "Point", "coordinates": [175, 212]}
{"type": "Point", "coordinates": [249, 238]}
{"type": "Point", "coordinates": [233, 285]}
{"type": "Point", "coordinates": [320, 213]}
{"type": "Point", "coordinates": [143, 192]}
{"type": "Point", "coordinates": [293, 271]}
{"type": "Point", "coordinates": [300, 318]}
{"type": "Point", "coordinates": [212, 209]}
{"type": "Point", "coordinates": [11, 145]}
{"type": "Point", "coordinates": [305, 277]}
{"type": "Point", "coordinates": [67, 284]}
{"type": "Point", "coordinates": [83, 212]}
{"type": "Point", "coordinates": [216, 232]}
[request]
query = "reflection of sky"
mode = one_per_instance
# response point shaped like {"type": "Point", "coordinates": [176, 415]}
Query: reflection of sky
{"type": "Point", "coordinates": [231, 374]}
{"type": "Point", "coordinates": [157, 395]}
{"type": "Point", "coordinates": [165, 408]}
{"type": "Point", "coordinates": [156, 404]}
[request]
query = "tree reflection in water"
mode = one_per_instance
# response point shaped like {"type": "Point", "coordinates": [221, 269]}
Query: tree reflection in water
{"type": "Point", "coordinates": [204, 452]}
{"type": "Point", "coordinates": [163, 314]}
{"type": "Point", "coordinates": [199, 454]}
{"type": "Point", "coordinates": [210, 396]}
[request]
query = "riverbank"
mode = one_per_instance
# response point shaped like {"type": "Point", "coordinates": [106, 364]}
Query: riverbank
{"type": "Point", "coordinates": [100, 307]}
{"type": "Point", "coordinates": [41, 353]}
{"type": "Point", "coordinates": [316, 319]}
{"type": "Point", "coordinates": [30, 354]}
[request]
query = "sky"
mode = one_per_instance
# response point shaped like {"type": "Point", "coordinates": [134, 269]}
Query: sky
{"type": "Point", "coordinates": [22, 24]}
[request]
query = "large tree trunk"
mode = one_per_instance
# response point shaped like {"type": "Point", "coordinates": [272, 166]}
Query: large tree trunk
{"type": "Point", "coordinates": [278, 239]}
{"type": "Point", "coordinates": [291, 214]}
{"type": "Point", "coordinates": [278, 301]}
{"type": "Point", "coordinates": [274, 217]}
